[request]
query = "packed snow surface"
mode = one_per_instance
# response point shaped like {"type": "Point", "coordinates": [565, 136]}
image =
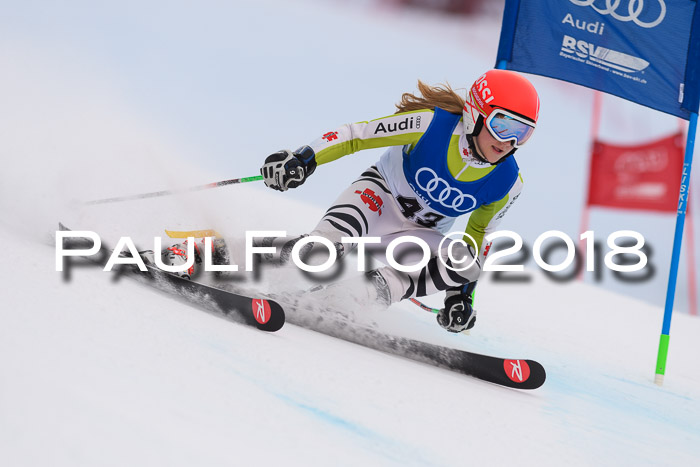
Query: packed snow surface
{"type": "Point", "coordinates": [97, 369]}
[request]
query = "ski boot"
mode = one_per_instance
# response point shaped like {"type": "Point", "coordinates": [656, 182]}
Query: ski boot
{"type": "Point", "coordinates": [176, 255]}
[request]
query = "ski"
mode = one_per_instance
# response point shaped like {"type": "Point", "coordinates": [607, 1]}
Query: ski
{"type": "Point", "coordinates": [266, 315]}
{"type": "Point", "coordinates": [265, 312]}
{"type": "Point", "coordinates": [510, 372]}
{"type": "Point", "coordinates": [262, 313]}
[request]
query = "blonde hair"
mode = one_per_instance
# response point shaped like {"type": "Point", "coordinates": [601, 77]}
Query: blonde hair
{"type": "Point", "coordinates": [442, 96]}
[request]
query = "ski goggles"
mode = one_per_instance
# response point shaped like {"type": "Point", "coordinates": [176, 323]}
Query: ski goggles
{"type": "Point", "coordinates": [505, 126]}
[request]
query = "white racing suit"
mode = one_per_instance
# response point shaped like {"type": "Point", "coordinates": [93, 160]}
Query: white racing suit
{"type": "Point", "coordinates": [422, 183]}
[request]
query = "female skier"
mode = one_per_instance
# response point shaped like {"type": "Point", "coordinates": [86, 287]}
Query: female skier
{"type": "Point", "coordinates": [445, 158]}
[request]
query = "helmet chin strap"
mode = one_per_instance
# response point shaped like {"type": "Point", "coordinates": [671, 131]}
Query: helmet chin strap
{"type": "Point", "coordinates": [478, 126]}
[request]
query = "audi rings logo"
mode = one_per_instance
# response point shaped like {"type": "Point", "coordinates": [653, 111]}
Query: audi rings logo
{"type": "Point", "coordinates": [634, 11]}
{"type": "Point", "coordinates": [441, 192]}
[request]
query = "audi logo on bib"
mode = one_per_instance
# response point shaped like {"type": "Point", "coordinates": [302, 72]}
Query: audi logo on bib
{"type": "Point", "coordinates": [440, 191]}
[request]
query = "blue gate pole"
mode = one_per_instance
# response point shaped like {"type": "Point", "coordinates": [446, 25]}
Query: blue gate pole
{"type": "Point", "coordinates": [675, 257]}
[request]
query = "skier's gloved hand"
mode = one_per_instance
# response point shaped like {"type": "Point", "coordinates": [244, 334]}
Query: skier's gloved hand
{"type": "Point", "coordinates": [458, 314]}
{"type": "Point", "coordinates": [286, 169]}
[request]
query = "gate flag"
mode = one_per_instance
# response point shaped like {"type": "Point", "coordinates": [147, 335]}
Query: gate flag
{"type": "Point", "coordinates": [645, 177]}
{"type": "Point", "coordinates": [645, 51]}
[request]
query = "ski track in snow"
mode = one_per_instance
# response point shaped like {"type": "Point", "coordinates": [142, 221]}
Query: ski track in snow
{"type": "Point", "coordinates": [99, 370]}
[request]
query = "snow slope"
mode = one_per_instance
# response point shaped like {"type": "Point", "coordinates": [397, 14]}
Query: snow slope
{"type": "Point", "coordinates": [98, 370]}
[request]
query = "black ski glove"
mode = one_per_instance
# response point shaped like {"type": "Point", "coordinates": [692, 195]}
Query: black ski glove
{"type": "Point", "coordinates": [286, 169]}
{"type": "Point", "coordinates": [458, 314]}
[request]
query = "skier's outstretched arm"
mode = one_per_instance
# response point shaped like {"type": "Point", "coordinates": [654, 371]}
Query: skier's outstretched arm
{"type": "Point", "coordinates": [289, 169]}
{"type": "Point", "coordinates": [484, 220]}
{"type": "Point", "coordinates": [458, 313]}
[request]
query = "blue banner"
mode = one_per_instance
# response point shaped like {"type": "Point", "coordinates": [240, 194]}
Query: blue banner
{"type": "Point", "coordinates": [646, 51]}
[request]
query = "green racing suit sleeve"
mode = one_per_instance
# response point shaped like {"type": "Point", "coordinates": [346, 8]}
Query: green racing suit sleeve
{"type": "Point", "coordinates": [400, 129]}
{"type": "Point", "coordinates": [484, 220]}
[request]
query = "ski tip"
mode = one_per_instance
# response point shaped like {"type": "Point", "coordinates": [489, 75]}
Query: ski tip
{"type": "Point", "coordinates": [524, 374]}
{"type": "Point", "coordinates": [192, 233]}
{"type": "Point", "coordinates": [268, 314]}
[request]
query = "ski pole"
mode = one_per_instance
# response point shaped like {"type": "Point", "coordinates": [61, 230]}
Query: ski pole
{"type": "Point", "coordinates": [424, 306]}
{"type": "Point", "coordinates": [155, 194]}
{"type": "Point", "coordinates": [431, 309]}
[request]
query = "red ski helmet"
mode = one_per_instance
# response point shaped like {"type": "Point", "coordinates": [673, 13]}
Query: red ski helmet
{"type": "Point", "coordinates": [506, 103]}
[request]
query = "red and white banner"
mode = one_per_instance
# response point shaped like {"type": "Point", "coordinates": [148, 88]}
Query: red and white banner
{"type": "Point", "coordinates": [645, 177]}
